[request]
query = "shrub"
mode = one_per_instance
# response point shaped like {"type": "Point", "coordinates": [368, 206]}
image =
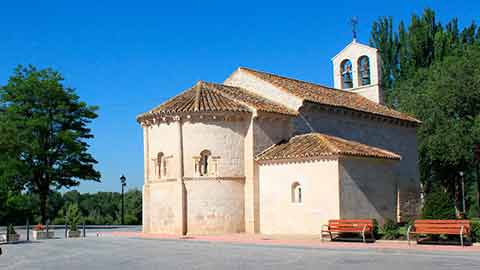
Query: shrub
{"type": "Point", "coordinates": [475, 227]}
{"type": "Point", "coordinates": [11, 229]}
{"type": "Point", "coordinates": [438, 205]}
{"type": "Point", "coordinates": [389, 230]}
{"type": "Point", "coordinates": [73, 217]}
{"type": "Point", "coordinates": [376, 234]}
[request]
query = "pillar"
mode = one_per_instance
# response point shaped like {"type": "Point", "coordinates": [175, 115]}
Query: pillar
{"type": "Point", "coordinates": [181, 226]}
{"type": "Point", "coordinates": [251, 189]}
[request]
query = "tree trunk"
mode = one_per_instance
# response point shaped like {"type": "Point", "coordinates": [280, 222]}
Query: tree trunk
{"type": "Point", "coordinates": [43, 206]}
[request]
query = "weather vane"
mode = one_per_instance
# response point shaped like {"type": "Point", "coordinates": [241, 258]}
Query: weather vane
{"type": "Point", "coordinates": [354, 22]}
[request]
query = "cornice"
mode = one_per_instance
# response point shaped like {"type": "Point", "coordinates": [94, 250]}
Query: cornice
{"type": "Point", "coordinates": [157, 118]}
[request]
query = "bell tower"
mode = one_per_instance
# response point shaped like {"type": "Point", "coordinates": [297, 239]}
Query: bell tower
{"type": "Point", "coordinates": [357, 69]}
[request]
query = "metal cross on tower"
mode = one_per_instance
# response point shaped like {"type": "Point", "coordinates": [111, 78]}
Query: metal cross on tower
{"type": "Point", "coordinates": [354, 23]}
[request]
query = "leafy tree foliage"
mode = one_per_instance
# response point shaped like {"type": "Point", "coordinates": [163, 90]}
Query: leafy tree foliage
{"type": "Point", "coordinates": [73, 217]}
{"type": "Point", "coordinates": [432, 71]}
{"type": "Point", "coordinates": [43, 133]}
{"type": "Point", "coordinates": [99, 208]}
{"type": "Point", "coordinates": [438, 205]}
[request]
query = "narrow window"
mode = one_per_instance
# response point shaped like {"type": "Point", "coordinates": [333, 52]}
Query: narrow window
{"type": "Point", "coordinates": [346, 74]}
{"type": "Point", "coordinates": [363, 70]}
{"type": "Point", "coordinates": [296, 191]}
{"type": "Point", "coordinates": [159, 163]}
{"type": "Point", "coordinates": [204, 162]}
{"type": "Point", "coordinates": [164, 166]}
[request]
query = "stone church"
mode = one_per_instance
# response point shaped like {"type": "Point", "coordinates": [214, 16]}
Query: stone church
{"type": "Point", "coordinates": [263, 153]}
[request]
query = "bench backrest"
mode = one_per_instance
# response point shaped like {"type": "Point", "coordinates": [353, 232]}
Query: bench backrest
{"type": "Point", "coordinates": [450, 226]}
{"type": "Point", "coordinates": [349, 225]}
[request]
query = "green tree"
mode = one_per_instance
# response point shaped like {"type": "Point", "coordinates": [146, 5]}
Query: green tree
{"type": "Point", "coordinates": [43, 134]}
{"type": "Point", "coordinates": [73, 217]}
{"type": "Point", "coordinates": [432, 71]}
{"type": "Point", "coordinates": [448, 102]}
{"type": "Point", "coordinates": [133, 207]}
{"type": "Point", "coordinates": [438, 205]}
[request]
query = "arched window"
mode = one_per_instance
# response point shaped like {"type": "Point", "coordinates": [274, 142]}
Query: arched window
{"type": "Point", "coordinates": [346, 73]}
{"type": "Point", "coordinates": [296, 193]}
{"type": "Point", "coordinates": [204, 162]}
{"type": "Point", "coordinates": [363, 70]}
{"type": "Point", "coordinates": [159, 165]}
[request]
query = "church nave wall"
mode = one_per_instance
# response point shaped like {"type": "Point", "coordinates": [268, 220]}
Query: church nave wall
{"type": "Point", "coordinates": [396, 138]}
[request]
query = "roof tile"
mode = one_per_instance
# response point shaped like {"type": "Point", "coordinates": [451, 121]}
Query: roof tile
{"type": "Point", "coordinates": [213, 97]}
{"type": "Point", "coordinates": [317, 145]}
{"type": "Point", "coordinates": [329, 96]}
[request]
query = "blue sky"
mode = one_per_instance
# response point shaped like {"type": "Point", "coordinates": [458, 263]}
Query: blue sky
{"type": "Point", "coordinates": [129, 56]}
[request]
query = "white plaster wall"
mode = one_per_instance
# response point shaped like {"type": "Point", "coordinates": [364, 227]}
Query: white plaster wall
{"type": "Point", "coordinates": [247, 81]}
{"type": "Point", "coordinates": [320, 193]}
{"type": "Point", "coordinates": [353, 52]}
{"type": "Point", "coordinates": [224, 139]}
{"type": "Point", "coordinates": [396, 138]}
{"type": "Point", "coordinates": [215, 206]}
{"type": "Point", "coordinates": [367, 189]}
{"type": "Point", "coordinates": [263, 132]}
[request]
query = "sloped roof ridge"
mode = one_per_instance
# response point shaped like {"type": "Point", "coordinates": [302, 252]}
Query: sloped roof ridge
{"type": "Point", "coordinates": [319, 144]}
{"type": "Point", "coordinates": [297, 80]}
{"type": "Point", "coordinates": [313, 95]}
{"type": "Point", "coordinates": [244, 90]}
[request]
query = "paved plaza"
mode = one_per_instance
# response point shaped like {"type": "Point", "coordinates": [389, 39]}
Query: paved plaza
{"type": "Point", "coordinates": [111, 251]}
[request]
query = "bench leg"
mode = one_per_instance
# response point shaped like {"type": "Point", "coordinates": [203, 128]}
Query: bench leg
{"type": "Point", "coordinates": [408, 234]}
{"type": "Point", "coordinates": [363, 237]}
{"type": "Point", "coordinates": [461, 239]}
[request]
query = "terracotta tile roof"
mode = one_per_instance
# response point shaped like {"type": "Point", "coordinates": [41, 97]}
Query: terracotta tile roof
{"type": "Point", "coordinates": [212, 97]}
{"type": "Point", "coordinates": [251, 99]}
{"type": "Point", "coordinates": [329, 96]}
{"type": "Point", "coordinates": [317, 144]}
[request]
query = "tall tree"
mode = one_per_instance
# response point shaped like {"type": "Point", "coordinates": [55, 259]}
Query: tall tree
{"type": "Point", "coordinates": [431, 71]}
{"type": "Point", "coordinates": [43, 134]}
{"type": "Point", "coordinates": [448, 102]}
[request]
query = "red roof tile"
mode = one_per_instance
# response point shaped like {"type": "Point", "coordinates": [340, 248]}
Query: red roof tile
{"type": "Point", "coordinates": [317, 145]}
{"type": "Point", "coordinates": [212, 97]}
{"type": "Point", "coordinates": [329, 96]}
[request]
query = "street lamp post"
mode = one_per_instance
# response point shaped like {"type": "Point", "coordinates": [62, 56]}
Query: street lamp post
{"type": "Point", "coordinates": [463, 192]}
{"type": "Point", "coordinates": [123, 180]}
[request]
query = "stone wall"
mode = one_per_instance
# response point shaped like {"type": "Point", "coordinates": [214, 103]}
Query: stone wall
{"type": "Point", "coordinates": [162, 137]}
{"type": "Point", "coordinates": [212, 203]}
{"type": "Point", "coordinates": [320, 196]}
{"type": "Point", "coordinates": [215, 206]}
{"type": "Point", "coordinates": [241, 78]}
{"type": "Point", "coordinates": [271, 130]}
{"type": "Point", "coordinates": [161, 209]}
{"type": "Point", "coordinates": [264, 131]}
{"type": "Point", "coordinates": [382, 134]}
{"type": "Point", "coordinates": [368, 189]}
{"type": "Point", "coordinates": [224, 139]}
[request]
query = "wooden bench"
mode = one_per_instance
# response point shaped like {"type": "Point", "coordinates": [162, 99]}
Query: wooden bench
{"type": "Point", "coordinates": [438, 227]}
{"type": "Point", "coordinates": [339, 226]}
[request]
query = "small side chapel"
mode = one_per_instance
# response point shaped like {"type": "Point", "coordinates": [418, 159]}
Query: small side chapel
{"type": "Point", "coordinates": [264, 153]}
